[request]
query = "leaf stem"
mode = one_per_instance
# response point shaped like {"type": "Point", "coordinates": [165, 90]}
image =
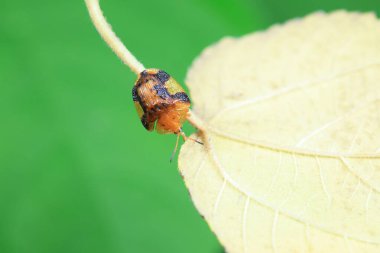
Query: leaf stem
{"type": "Point", "coordinates": [110, 37]}
{"type": "Point", "coordinates": [196, 121]}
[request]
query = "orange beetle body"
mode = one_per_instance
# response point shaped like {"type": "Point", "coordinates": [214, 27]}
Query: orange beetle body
{"type": "Point", "coordinates": [161, 103]}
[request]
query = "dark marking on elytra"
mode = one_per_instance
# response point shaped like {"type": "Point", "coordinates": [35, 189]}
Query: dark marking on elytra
{"type": "Point", "coordinates": [181, 96]}
{"type": "Point", "coordinates": [162, 92]}
{"type": "Point", "coordinates": [134, 94]}
{"type": "Point", "coordinates": [162, 76]}
{"type": "Point", "coordinates": [144, 122]}
{"type": "Point", "coordinates": [139, 83]}
{"type": "Point", "coordinates": [138, 98]}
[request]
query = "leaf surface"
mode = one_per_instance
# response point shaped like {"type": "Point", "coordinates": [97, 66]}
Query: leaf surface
{"type": "Point", "coordinates": [292, 127]}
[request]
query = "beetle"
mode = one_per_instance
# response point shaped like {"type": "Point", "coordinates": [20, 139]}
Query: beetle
{"type": "Point", "coordinates": [161, 103]}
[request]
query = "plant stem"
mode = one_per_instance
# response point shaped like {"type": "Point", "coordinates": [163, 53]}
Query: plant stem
{"type": "Point", "coordinates": [110, 37]}
{"type": "Point", "coordinates": [196, 121]}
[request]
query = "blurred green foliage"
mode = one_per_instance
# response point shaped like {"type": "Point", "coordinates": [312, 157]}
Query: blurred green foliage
{"type": "Point", "coordinates": [78, 172]}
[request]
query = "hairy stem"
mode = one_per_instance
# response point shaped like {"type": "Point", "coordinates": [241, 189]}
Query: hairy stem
{"type": "Point", "coordinates": [110, 37]}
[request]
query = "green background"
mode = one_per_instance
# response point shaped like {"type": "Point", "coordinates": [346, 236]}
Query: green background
{"type": "Point", "coordinates": [78, 172]}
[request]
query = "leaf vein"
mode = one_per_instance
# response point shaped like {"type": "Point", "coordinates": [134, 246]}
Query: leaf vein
{"type": "Point", "coordinates": [261, 202]}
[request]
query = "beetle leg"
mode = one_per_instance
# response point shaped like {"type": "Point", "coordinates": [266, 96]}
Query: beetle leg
{"type": "Point", "coordinates": [185, 137]}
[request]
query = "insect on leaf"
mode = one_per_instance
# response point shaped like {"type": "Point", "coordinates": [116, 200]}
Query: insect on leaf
{"type": "Point", "coordinates": [291, 161]}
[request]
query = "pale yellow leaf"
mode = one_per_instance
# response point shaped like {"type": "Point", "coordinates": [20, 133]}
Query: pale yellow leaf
{"type": "Point", "coordinates": [292, 121]}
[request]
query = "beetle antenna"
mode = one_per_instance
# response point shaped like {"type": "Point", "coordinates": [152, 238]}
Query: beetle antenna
{"type": "Point", "coordinates": [175, 148]}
